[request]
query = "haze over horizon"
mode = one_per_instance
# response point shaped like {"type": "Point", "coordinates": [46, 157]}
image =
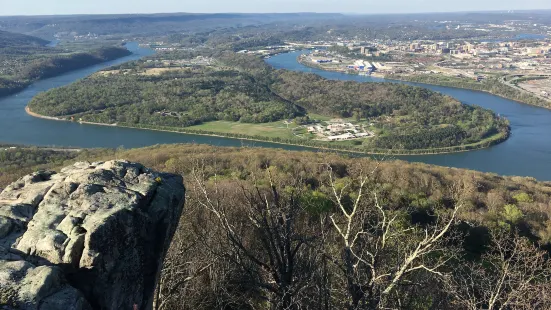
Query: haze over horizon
{"type": "Point", "coordinates": [66, 7]}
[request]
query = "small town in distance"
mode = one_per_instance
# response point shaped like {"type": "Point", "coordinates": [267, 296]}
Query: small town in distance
{"type": "Point", "coordinates": [525, 65]}
{"type": "Point", "coordinates": [522, 61]}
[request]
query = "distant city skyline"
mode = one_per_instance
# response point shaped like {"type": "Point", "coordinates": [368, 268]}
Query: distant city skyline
{"type": "Point", "coordinates": [58, 7]}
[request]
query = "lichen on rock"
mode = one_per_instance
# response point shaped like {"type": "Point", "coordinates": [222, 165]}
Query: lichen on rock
{"type": "Point", "coordinates": [90, 237]}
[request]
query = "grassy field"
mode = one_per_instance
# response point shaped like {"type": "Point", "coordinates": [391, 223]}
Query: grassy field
{"type": "Point", "coordinates": [272, 130]}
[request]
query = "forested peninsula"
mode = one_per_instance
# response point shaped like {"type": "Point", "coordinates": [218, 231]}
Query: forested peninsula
{"type": "Point", "coordinates": [211, 95]}
{"type": "Point", "coordinates": [25, 59]}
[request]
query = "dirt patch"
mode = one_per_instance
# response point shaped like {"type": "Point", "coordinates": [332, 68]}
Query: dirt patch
{"type": "Point", "coordinates": [158, 71]}
{"type": "Point", "coordinates": [539, 87]}
{"type": "Point", "coordinates": [149, 71]}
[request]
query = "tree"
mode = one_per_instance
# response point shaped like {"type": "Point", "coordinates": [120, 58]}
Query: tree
{"type": "Point", "coordinates": [378, 251]}
{"type": "Point", "coordinates": [512, 274]}
{"type": "Point", "coordinates": [269, 236]}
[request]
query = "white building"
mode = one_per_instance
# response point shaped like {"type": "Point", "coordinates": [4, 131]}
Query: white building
{"type": "Point", "coordinates": [345, 136]}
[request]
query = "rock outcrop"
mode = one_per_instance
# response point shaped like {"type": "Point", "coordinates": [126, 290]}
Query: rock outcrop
{"type": "Point", "coordinates": [90, 237]}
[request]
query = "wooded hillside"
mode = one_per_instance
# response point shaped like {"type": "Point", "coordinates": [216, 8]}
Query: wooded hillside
{"type": "Point", "coordinates": [10, 39]}
{"type": "Point", "coordinates": [22, 65]}
{"type": "Point", "coordinates": [273, 229]}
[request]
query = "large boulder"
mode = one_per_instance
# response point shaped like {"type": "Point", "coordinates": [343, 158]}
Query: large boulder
{"type": "Point", "coordinates": [90, 237]}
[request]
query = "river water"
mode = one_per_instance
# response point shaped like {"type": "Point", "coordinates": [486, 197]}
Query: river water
{"type": "Point", "coordinates": [17, 127]}
{"type": "Point", "coordinates": [526, 153]}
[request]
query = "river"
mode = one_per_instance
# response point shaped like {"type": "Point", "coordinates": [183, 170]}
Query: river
{"type": "Point", "coordinates": [526, 153]}
{"type": "Point", "coordinates": [17, 127]}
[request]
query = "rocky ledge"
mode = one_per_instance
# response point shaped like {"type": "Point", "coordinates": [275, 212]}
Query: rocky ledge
{"type": "Point", "coordinates": [92, 236]}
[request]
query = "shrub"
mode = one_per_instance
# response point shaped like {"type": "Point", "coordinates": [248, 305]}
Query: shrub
{"type": "Point", "coordinates": [523, 197]}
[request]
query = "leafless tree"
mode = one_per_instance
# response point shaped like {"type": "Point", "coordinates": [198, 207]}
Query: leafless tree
{"type": "Point", "coordinates": [187, 264]}
{"type": "Point", "coordinates": [270, 237]}
{"type": "Point", "coordinates": [378, 250]}
{"type": "Point", "coordinates": [512, 274]}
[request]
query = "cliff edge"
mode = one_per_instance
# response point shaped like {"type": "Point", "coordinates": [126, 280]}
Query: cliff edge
{"type": "Point", "coordinates": [92, 236]}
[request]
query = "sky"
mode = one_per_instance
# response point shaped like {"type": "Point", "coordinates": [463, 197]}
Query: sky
{"type": "Point", "coordinates": [51, 7]}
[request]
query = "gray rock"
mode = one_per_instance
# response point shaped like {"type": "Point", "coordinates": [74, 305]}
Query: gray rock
{"type": "Point", "coordinates": [90, 237]}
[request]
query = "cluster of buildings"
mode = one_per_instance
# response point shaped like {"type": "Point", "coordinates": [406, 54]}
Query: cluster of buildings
{"type": "Point", "coordinates": [335, 62]}
{"type": "Point", "coordinates": [429, 56]}
{"type": "Point", "coordinates": [269, 51]}
{"type": "Point", "coordinates": [75, 35]}
{"type": "Point", "coordinates": [376, 48]}
{"type": "Point", "coordinates": [337, 130]}
{"type": "Point", "coordinates": [481, 49]}
{"type": "Point", "coordinates": [322, 60]}
{"type": "Point", "coordinates": [167, 113]}
{"type": "Point", "coordinates": [361, 65]}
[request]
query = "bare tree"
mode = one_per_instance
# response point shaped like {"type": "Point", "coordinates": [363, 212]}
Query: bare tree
{"type": "Point", "coordinates": [270, 237]}
{"type": "Point", "coordinates": [378, 250]}
{"type": "Point", "coordinates": [187, 264]}
{"type": "Point", "coordinates": [512, 274]}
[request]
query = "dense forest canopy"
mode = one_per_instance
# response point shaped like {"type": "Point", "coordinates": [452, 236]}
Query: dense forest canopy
{"type": "Point", "coordinates": [13, 159]}
{"type": "Point", "coordinates": [58, 64]}
{"type": "Point", "coordinates": [426, 118]}
{"type": "Point", "coordinates": [162, 91]}
{"type": "Point", "coordinates": [180, 98]}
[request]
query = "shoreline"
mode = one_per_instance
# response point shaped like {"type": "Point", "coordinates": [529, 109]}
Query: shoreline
{"type": "Point", "coordinates": [14, 91]}
{"type": "Point", "coordinates": [398, 79]}
{"type": "Point", "coordinates": [470, 89]}
{"type": "Point", "coordinates": [221, 135]}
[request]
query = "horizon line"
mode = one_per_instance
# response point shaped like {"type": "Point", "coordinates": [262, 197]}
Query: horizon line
{"type": "Point", "coordinates": [511, 11]}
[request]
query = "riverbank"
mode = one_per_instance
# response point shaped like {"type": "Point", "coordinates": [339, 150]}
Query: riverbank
{"type": "Point", "coordinates": [524, 153]}
{"type": "Point", "coordinates": [533, 101]}
{"type": "Point", "coordinates": [529, 99]}
{"type": "Point", "coordinates": [33, 114]}
{"type": "Point", "coordinates": [64, 65]}
{"type": "Point", "coordinates": [488, 142]}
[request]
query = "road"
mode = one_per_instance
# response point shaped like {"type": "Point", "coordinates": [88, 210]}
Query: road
{"type": "Point", "coordinates": [510, 83]}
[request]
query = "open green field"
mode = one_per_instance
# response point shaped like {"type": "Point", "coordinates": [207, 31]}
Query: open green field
{"type": "Point", "coordinates": [272, 130]}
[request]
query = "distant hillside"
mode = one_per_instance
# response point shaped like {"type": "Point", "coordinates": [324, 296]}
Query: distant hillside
{"type": "Point", "coordinates": [59, 64]}
{"type": "Point", "coordinates": [17, 71]}
{"type": "Point", "coordinates": [47, 26]}
{"type": "Point", "coordinates": [8, 39]}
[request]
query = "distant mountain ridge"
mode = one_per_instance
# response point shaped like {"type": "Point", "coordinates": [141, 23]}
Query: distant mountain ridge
{"type": "Point", "coordinates": [48, 26]}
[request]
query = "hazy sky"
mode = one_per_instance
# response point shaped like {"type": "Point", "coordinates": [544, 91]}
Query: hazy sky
{"type": "Point", "coordinates": [46, 7]}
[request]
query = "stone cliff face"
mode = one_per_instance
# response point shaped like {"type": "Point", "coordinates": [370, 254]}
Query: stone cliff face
{"type": "Point", "coordinates": [90, 237]}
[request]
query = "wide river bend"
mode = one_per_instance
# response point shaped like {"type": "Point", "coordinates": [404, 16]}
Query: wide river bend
{"type": "Point", "coordinates": [526, 153]}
